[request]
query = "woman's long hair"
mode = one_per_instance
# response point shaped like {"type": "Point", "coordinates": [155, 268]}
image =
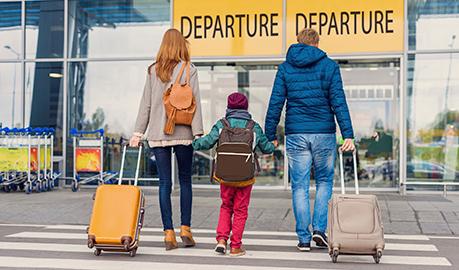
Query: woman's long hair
{"type": "Point", "coordinates": [173, 49]}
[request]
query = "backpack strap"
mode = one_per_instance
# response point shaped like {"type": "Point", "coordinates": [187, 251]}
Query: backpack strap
{"type": "Point", "coordinates": [257, 162]}
{"type": "Point", "coordinates": [179, 75]}
{"type": "Point", "coordinates": [187, 73]}
{"type": "Point", "coordinates": [250, 124]}
{"type": "Point", "coordinates": [225, 122]}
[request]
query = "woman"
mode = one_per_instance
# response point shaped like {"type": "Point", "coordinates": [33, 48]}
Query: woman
{"type": "Point", "coordinates": [172, 54]}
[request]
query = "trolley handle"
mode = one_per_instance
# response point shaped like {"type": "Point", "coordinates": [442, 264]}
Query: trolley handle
{"type": "Point", "coordinates": [29, 130]}
{"type": "Point", "coordinates": [75, 132]}
{"type": "Point", "coordinates": [39, 131]}
{"type": "Point", "coordinates": [5, 130]}
{"type": "Point", "coordinates": [125, 145]}
{"type": "Point", "coordinates": [341, 166]}
{"type": "Point", "coordinates": [11, 130]}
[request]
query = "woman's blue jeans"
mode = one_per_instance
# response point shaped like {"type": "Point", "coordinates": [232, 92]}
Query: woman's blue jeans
{"type": "Point", "coordinates": [304, 151]}
{"type": "Point", "coordinates": [184, 154]}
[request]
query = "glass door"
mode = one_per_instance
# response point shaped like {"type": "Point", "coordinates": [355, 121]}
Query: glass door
{"type": "Point", "coordinates": [216, 82]}
{"type": "Point", "coordinates": [372, 92]}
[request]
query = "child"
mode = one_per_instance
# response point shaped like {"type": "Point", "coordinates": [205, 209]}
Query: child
{"type": "Point", "coordinates": [234, 193]}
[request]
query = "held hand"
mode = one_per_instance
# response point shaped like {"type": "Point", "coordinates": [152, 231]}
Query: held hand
{"type": "Point", "coordinates": [134, 141]}
{"type": "Point", "coordinates": [347, 146]}
{"type": "Point", "coordinates": [276, 143]}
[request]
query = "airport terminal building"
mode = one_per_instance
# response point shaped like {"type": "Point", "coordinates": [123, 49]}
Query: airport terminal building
{"type": "Point", "coordinates": [82, 64]}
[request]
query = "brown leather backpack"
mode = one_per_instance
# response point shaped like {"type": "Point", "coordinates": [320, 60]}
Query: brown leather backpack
{"type": "Point", "coordinates": [235, 160]}
{"type": "Point", "coordinates": [179, 102]}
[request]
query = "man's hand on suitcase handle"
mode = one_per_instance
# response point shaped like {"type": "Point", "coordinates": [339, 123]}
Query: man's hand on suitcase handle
{"type": "Point", "coordinates": [348, 145]}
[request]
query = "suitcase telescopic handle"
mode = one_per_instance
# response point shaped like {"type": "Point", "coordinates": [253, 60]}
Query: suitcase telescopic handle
{"type": "Point", "coordinates": [341, 166]}
{"type": "Point", "coordinates": [137, 168]}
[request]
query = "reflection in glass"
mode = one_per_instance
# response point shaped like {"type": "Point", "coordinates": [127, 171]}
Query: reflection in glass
{"type": "Point", "coordinates": [433, 24]}
{"type": "Point", "coordinates": [258, 89]}
{"type": "Point", "coordinates": [44, 29]}
{"type": "Point", "coordinates": [10, 30]}
{"type": "Point", "coordinates": [99, 97]}
{"type": "Point", "coordinates": [44, 97]}
{"type": "Point", "coordinates": [372, 96]}
{"type": "Point", "coordinates": [102, 97]}
{"type": "Point", "coordinates": [216, 83]}
{"type": "Point", "coordinates": [112, 28]}
{"type": "Point", "coordinates": [433, 126]}
{"type": "Point", "coordinates": [10, 95]}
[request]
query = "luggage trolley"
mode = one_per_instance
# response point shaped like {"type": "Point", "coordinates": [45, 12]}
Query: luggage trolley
{"type": "Point", "coordinates": [45, 138]}
{"type": "Point", "coordinates": [88, 158]}
{"type": "Point", "coordinates": [14, 159]}
{"type": "Point", "coordinates": [35, 178]}
{"type": "Point", "coordinates": [41, 161]}
{"type": "Point", "coordinates": [26, 156]}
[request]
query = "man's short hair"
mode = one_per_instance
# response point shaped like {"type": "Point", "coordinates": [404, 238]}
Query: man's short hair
{"type": "Point", "coordinates": [308, 36]}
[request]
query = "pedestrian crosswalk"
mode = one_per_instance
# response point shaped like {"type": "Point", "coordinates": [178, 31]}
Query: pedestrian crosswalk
{"type": "Point", "coordinates": [64, 247]}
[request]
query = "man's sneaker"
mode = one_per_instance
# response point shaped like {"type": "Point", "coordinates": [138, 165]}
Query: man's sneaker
{"type": "Point", "coordinates": [320, 238]}
{"type": "Point", "coordinates": [304, 246]}
{"type": "Point", "coordinates": [221, 247]}
{"type": "Point", "coordinates": [237, 252]}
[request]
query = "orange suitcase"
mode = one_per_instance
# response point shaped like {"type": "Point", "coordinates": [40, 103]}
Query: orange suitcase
{"type": "Point", "coordinates": [117, 215]}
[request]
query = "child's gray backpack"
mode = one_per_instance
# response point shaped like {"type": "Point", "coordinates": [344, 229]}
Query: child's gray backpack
{"type": "Point", "coordinates": [235, 160]}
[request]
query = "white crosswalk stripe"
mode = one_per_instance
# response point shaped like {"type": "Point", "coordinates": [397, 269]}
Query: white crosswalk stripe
{"type": "Point", "coordinates": [40, 239]}
{"type": "Point", "coordinates": [37, 263]}
{"type": "Point", "coordinates": [211, 240]}
{"type": "Point", "coordinates": [266, 233]}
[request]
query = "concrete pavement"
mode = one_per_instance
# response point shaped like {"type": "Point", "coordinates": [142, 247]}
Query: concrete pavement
{"type": "Point", "coordinates": [269, 210]}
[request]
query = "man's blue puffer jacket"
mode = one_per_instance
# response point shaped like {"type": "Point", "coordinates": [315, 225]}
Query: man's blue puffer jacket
{"type": "Point", "coordinates": [311, 83]}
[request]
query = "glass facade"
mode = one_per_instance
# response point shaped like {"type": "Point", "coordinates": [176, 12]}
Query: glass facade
{"type": "Point", "coordinates": [372, 92]}
{"type": "Point", "coordinates": [11, 95]}
{"type": "Point", "coordinates": [433, 149]}
{"type": "Point", "coordinates": [433, 92]}
{"type": "Point", "coordinates": [216, 83]}
{"type": "Point", "coordinates": [10, 29]}
{"type": "Point", "coordinates": [111, 28]}
{"type": "Point", "coordinates": [81, 64]}
{"type": "Point", "coordinates": [44, 29]}
{"type": "Point", "coordinates": [433, 25]}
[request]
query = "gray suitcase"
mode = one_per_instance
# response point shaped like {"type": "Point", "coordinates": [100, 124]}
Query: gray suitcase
{"type": "Point", "coordinates": [354, 221]}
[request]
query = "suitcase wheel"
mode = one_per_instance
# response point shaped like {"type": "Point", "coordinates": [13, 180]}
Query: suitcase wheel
{"type": "Point", "coordinates": [133, 252]}
{"type": "Point", "coordinates": [97, 252]}
{"type": "Point", "coordinates": [74, 186]}
{"type": "Point", "coordinates": [90, 243]}
{"type": "Point", "coordinates": [126, 244]}
{"type": "Point", "coordinates": [334, 255]}
{"type": "Point", "coordinates": [377, 256]}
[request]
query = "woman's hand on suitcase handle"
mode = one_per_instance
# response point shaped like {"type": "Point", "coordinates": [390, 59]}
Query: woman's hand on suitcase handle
{"type": "Point", "coordinates": [348, 145]}
{"type": "Point", "coordinates": [134, 141]}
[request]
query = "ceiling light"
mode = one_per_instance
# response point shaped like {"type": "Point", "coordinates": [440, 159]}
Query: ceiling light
{"type": "Point", "coordinates": [55, 75]}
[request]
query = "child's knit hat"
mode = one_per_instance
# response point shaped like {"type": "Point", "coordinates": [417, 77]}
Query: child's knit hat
{"type": "Point", "coordinates": [238, 101]}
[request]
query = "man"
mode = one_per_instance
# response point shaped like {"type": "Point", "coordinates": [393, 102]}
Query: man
{"type": "Point", "coordinates": [311, 84]}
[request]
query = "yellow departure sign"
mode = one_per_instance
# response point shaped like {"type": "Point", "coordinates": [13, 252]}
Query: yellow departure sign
{"type": "Point", "coordinates": [230, 28]}
{"type": "Point", "coordinates": [255, 28]}
{"type": "Point", "coordinates": [349, 26]}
